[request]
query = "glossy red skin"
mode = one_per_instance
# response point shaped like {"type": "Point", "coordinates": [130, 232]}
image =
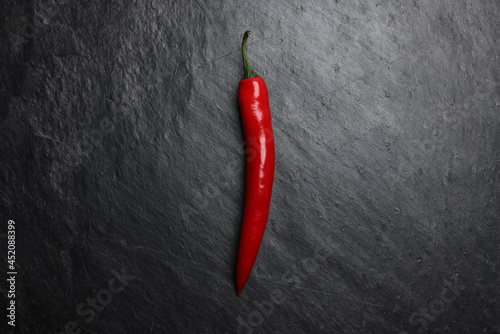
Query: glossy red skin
{"type": "Point", "coordinates": [259, 174]}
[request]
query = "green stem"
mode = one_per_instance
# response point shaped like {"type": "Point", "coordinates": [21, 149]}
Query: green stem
{"type": "Point", "coordinates": [249, 72]}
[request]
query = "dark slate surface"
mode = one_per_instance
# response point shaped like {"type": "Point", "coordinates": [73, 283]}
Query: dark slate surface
{"type": "Point", "coordinates": [121, 155]}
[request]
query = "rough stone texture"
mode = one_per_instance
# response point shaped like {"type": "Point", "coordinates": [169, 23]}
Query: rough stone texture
{"type": "Point", "coordinates": [121, 149]}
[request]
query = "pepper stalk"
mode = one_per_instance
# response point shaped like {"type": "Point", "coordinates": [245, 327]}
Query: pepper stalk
{"type": "Point", "coordinates": [249, 71]}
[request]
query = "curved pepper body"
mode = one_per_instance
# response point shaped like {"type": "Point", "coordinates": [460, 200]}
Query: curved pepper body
{"type": "Point", "coordinates": [259, 174]}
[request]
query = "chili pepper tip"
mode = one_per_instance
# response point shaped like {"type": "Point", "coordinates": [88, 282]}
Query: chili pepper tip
{"type": "Point", "coordinates": [238, 293]}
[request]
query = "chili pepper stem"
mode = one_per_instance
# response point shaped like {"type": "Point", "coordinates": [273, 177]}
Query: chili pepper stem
{"type": "Point", "coordinates": [249, 71]}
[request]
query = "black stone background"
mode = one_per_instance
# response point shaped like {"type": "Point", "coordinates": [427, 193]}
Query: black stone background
{"type": "Point", "coordinates": [121, 150]}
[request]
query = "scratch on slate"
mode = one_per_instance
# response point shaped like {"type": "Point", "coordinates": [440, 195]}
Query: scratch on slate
{"type": "Point", "coordinates": [216, 59]}
{"type": "Point", "coordinates": [41, 135]}
{"type": "Point", "coordinates": [329, 294]}
{"type": "Point", "coordinates": [168, 254]}
{"type": "Point", "coordinates": [356, 79]}
{"type": "Point", "coordinates": [234, 50]}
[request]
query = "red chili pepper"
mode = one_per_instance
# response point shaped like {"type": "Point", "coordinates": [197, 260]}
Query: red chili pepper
{"type": "Point", "coordinates": [259, 142]}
